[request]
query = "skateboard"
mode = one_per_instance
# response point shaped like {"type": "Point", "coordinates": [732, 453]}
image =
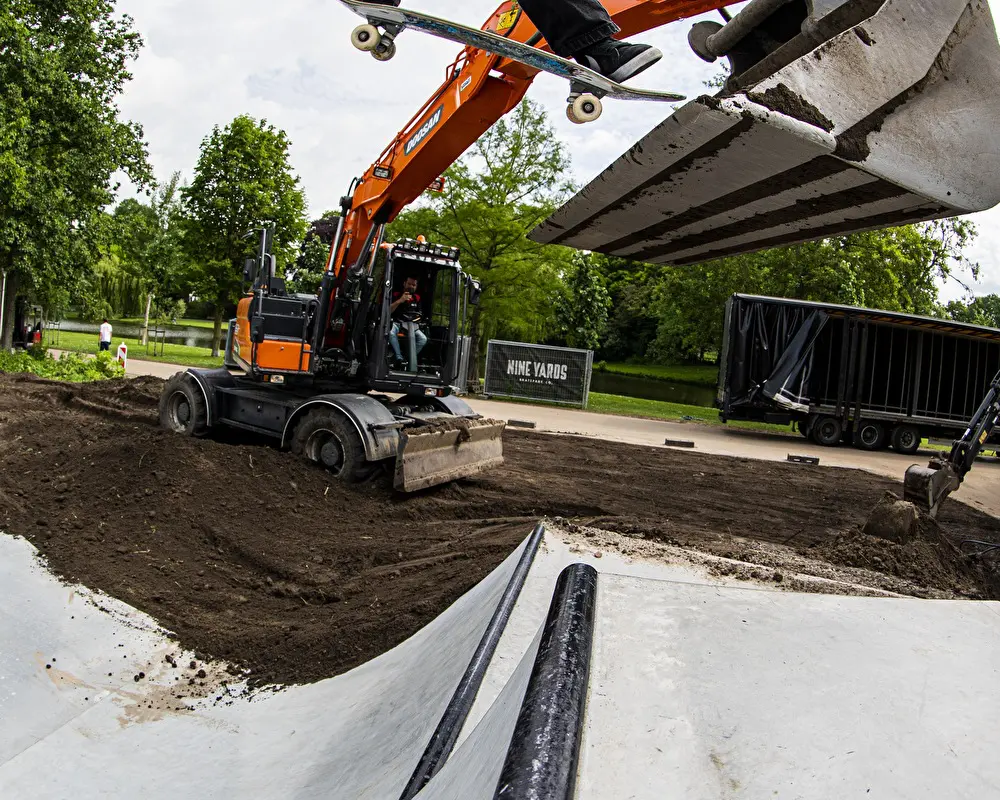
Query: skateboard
{"type": "Point", "coordinates": [385, 23]}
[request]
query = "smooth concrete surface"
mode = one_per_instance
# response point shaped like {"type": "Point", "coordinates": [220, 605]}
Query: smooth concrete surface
{"type": "Point", "coordinates": [700, 688]}
{"type": "Point", "coordinates": [702, 692]}
{"type": "Point", "coordinates": [81, 733]}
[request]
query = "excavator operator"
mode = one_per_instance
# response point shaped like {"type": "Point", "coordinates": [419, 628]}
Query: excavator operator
{"type": "Point", "coordinates": [405, 307]}
{"type": "Point", "coordinates": [582, 30]}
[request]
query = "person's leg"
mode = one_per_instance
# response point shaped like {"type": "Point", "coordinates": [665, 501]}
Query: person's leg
{"type": "Point", "coordinates": [582, 29]}
{"type": "Point", "coordinates": [570, 26]}
{"type": "Point", "coordinates": [394, 341]}
{"type": "Point", "coordinates": [421, 338]}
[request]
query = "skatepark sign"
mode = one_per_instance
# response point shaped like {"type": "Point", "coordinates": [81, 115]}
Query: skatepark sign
{"type": "Point", "coordinates": [538, 372]}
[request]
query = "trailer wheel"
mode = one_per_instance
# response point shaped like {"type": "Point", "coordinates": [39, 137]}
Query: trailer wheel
{"type": "Point", "coordinates": [905, 439]}
{"type": "Point", "coordinates": [870, 435]}
{"type": "Point", "coordinates": [326, 438]}
{"type": "Point", "coordinates": [182, 406]}
{"type": "Point", "coordinates": [827, 431]}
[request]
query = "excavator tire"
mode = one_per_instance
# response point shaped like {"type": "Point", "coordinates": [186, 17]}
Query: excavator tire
{"type": "Point", "coordinates": [182, 406]}
{"type": "Point", "coordinates": [326, 438]}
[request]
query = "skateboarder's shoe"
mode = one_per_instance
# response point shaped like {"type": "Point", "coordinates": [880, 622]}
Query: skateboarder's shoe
{"type": "Point", "coordinates": [619, 61]}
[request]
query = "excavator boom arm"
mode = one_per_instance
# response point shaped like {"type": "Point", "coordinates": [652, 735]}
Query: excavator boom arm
{"type": "Point", "coordinates": [479, 88]}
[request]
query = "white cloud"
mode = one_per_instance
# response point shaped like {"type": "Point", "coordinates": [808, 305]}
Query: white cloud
{"type": "Point", "coordinates": [206, 61]}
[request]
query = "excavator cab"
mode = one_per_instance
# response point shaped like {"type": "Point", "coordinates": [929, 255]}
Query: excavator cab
{"type": "Point", "coordinates": [428, 331]}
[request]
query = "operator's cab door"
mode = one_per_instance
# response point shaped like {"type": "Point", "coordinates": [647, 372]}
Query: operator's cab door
{"type": "Point", "coordinates": [437, 312]}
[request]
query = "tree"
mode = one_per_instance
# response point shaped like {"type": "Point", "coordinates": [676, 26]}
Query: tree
{"type": "Point", "coordinates": [982, 310]}
{"type": "Point", "coordinates": [243, 180]}
{"type": "Point", "coordinates": [310, 266]}
{"type": "Point", "coordinates": [895, 269]}
{"type": "Point", "coordinates": [583, 312]}
{"type": "Point", "coordinates": [63, 64]}
{"type": "Point", "coordinates": [508, 182]}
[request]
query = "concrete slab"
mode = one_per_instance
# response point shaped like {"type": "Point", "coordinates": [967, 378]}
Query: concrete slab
{"type": "Point", "coordinates": [700, 687]}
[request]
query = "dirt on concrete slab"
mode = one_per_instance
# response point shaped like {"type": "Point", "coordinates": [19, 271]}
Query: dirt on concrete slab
{"type": "Point", "coordinates": [250, 555]}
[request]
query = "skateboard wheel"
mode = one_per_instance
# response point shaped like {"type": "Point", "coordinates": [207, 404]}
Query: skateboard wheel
{"type": "Point", "coordinates": [384, 53]}
{"type": "Point", "coordinates": [366, 38]}
{"type": "Point", "coordinates": [585, 108]}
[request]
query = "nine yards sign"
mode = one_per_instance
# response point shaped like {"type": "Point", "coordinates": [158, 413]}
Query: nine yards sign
{"type": "Point", "coordinates": [538, 372]}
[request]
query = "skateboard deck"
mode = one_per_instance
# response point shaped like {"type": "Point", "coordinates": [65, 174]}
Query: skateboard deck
{"type": "Point", "coordinates": [400, 18]}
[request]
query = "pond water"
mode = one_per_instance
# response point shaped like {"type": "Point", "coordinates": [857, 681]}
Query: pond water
{"type": "Point", "coordinates": [174, 334]}
{"type": "Point", "coordinates": [648, 389]}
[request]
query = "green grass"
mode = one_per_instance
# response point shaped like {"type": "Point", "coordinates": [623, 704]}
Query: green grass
{"type": "Point", "coordinates": [172, 353]}
{"type": "Point", "coordinates": [656, 409]}
{"type": "Point", "coordinates": [696, 375]}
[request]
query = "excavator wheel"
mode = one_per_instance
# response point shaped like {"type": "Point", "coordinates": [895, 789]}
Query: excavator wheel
{"type": "Point", "coordinates": [365, 38]}
{"type": "Point", "coordinates": [182, 406]}
{"type": "Point", "coordinates": [326, 438]}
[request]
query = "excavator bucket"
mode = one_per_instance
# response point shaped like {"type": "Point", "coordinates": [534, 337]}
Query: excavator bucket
{"type": "Point", "coordinates": [928, 487]}
{"type": "Point", "coordinates": [876, 113]}
{"type": "Point", "coordinates": [456, 448]}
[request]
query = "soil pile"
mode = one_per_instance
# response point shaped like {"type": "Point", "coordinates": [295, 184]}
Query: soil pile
{"type": "Point", "coordinates": [252, 555]}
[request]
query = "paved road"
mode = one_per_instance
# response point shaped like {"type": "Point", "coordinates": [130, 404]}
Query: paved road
{"type": "Point", "coordinates": [980, 489]}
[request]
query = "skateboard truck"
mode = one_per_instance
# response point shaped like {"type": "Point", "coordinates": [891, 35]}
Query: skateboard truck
{"type": "Point", "coordinates": [381, 44]}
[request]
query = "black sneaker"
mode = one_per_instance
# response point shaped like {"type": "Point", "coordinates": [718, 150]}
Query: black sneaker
{"type": "Point", "coordinates": [619, 61]}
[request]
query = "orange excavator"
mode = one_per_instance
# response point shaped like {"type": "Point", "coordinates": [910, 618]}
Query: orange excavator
{"type": "Point", "coordinates": [317, 373]}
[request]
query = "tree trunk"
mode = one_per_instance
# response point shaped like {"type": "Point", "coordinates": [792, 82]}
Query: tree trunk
{"type": "Point", "coordinates": [9, 298]}
{"type": "Point", "coordinates": [217, 334]}
{"type": "Point", "coordinates": [145, 324]}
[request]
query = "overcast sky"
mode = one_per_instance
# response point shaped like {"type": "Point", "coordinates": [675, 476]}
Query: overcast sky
{"type": "Point", "coordinates": [206, 61]}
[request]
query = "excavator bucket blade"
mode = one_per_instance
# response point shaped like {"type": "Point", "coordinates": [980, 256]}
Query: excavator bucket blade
{"type": "Point", "coordinates": [456, 448]}
{"type": "Point", "coordinates": [891, 120]}
{"type": "Point", "coordinates": [927, 487]}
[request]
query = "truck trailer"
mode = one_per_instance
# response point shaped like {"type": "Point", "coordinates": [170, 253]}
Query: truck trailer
{"type": "Point", "coordinates": [852, 375]}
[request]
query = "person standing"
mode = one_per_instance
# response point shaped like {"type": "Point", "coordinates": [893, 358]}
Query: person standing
{"type": "Point", "coordinates": [105, 338]}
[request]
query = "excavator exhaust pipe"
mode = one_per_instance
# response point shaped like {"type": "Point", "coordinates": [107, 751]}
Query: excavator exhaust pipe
{"type": "Point", "coordinates": [457, 448]}
{"type": "Point", "coordinates": [874, 113]}
{"type": "Point", "coordinates": [928, 487]}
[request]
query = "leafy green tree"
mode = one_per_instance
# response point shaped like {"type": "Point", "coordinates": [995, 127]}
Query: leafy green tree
{"type": "Point", "coordinates": [309, 268]}
{"type": "Point", "coordinates": [582, 312]}
{"type": "Point", "coordinates": [63, 64]}
{"type": "Point", "coordinates": [982, 310]}
{"type": "Point", "coordinates": [894, 269]}
{"type": "Point", "coordinates": [507, 183]}
{"type": "Point", "coordinates": [243, 180]}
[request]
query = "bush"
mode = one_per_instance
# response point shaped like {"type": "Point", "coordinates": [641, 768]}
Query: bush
{"type": "Point", "coordinates": [71, 367]}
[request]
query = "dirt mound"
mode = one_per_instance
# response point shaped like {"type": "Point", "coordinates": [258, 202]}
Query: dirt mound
{"type": "Point", "coordinates": [249, 554]}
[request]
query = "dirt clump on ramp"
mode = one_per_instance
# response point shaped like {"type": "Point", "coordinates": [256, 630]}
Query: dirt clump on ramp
{"type": "Point", "coordinates": [249, 554]}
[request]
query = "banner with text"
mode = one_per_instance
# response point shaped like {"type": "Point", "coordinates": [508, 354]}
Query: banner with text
{"type": "Point", "coordinates": [538, 372]}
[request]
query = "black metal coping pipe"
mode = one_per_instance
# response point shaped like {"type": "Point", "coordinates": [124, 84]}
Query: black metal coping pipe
{"type": "Point", "coordinates": [443, 739]}
{"type": "Point", "coordinates": [544, 752]}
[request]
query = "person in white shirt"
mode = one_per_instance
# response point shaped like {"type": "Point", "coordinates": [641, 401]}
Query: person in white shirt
{"type": "Point", "coordinates": [105, 335]}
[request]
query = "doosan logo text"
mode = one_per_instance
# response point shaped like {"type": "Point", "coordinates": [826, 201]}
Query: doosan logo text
{"type": "Point", "coordinates": [424, 129]}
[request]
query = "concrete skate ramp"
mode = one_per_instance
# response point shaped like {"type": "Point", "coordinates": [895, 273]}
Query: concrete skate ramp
{"type": "Point", "coordinates": [698, 688]}
{"type": "Point", "coordinates": [73, 730]}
